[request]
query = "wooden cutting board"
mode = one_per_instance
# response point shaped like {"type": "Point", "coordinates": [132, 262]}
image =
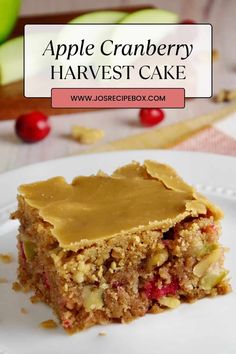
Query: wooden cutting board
{"type": "Point", "coordinates": [168, 136]}
{"type": "Point", "coordinates": [12, 101]}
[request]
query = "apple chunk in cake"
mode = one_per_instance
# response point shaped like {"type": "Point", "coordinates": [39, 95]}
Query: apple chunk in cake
{"type": "Point", "coordinates": [112, 248]}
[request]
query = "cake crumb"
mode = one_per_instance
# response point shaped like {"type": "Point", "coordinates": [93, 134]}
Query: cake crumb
{"type": "Point", "coordinates": [155, 309]}
{"type": "Point", "coordinates": [3, 280]}
{"type": "Point", "coordinates": [87, 135]}
{"type": "Point", "coordinates": [6, 258]}
{"type": "Point", "coordinates": [16, 286]}
{"type": "Point", "coordinates": [24, 311]}
{"type": "Point", "coordinates": [102, 334]}
{"type": "Point", "coordinates": [48, 324]}
{"type": "Point", "coordinates": [34, 299]}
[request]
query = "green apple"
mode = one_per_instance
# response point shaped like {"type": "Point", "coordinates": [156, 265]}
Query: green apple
{"type": "Point", "coordinates": [29, 249]}
{"type": "Point", "coordinates": [11, 52]}
{"type": "Point", "coordinates": [94, 36]}
{"type": "Point", "coordinates": [151, 16]}
{"type": "Point", "coordinates": [100, 17]}
{"type": "Point", "coordinates": [210, 279]}
{"type": "Point", "coordinates": [145, 16]}
{"type": "Point", "coordinates": [11, 61]}
{"type": "Point", "coordinates": [11, 57]}
{"type": "Point", "coordinates": [9, 10]}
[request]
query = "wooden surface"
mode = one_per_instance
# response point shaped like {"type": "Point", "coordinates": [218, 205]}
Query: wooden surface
{"type": "Point", "coordinates": [168, 136]}
{"type": "Point", "coordinates": [121, 127]}
{"type": "Point", "coordinates": [12, 101]}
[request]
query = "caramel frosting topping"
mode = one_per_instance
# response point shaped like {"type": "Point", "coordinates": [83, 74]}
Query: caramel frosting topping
{"type": "Point", "coordinates": [135, 197]}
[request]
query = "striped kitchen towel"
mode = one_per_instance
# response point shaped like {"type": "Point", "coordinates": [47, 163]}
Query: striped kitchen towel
{"type": "Point", "coordinates": [219, 138]}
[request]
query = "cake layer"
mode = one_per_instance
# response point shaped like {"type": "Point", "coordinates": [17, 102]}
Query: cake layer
{"type": "Point", "coordinates": [97, 207]}
{"type": "Point", "coordinates": [121, 278]}
{"type": "Point", "coordinates": [112, 248]}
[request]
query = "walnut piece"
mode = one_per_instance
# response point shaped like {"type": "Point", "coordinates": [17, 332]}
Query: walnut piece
{"type": "Point", "coordinates": [86, 135]}
{"type": "Point", "coordinates": [225, 96]}
{"type": "Point", "coordinates": [83, 270]}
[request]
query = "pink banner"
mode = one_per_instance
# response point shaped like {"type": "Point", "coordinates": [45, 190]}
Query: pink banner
{"type": "Point", "coordinates": [118, 98]}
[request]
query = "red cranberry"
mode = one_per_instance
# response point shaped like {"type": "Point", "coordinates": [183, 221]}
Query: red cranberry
{"type": "Point", "coordinates": [154, 293]}
{"type": "Point", "coordinates": [22, 252]}
{"type": "Point", "coordinates": [67, 324]}
{"type": "Point", "coordinates": [151, 116]}
{"type": "Point", "coordinates": [210, 229]}
{"type": "Point", "coordinates": [46, 281]}
{"type": "Point", "coordinates": [117, 284]}
{"type": "Point", "coordinates": [188, 22]}
{"type": "Point", "coordinates": [32, 127]}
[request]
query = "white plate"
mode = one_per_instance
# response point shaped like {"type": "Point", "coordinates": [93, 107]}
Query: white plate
{"type": "Point", "coordinates": [206, 327]}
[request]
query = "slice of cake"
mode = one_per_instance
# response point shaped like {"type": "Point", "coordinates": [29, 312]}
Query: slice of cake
{"type": "Point", "coordinates": [112, 248]}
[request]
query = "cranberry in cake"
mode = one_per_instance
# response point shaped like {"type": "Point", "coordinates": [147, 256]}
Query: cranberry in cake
{"type": "Point", "coordinates": [109, 249]}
